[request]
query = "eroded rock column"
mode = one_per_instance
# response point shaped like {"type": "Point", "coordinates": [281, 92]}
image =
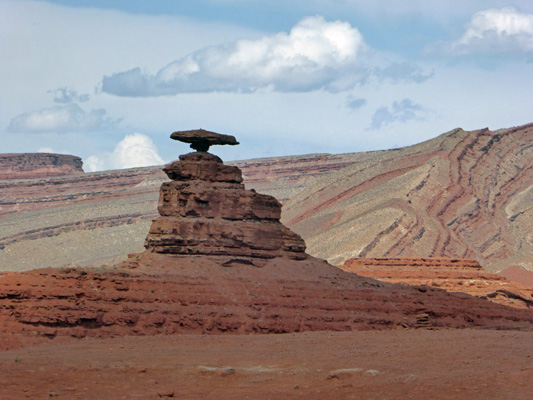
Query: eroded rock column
{"type": "Point", "coordinates": [206, 210]}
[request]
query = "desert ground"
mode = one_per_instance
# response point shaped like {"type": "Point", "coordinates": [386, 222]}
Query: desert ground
{"type": "Point", "coordinates": [399, 364]}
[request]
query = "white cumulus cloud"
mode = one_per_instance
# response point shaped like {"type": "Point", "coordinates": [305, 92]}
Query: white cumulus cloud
{"type": "Point", "coordinates": [315, 54]}
{"type": "Point", "coordinates": [135, 150]}
{"type": "Point", "coordinates": [504, 30]}
{"type": "Point", "coordinates": [94, 163]}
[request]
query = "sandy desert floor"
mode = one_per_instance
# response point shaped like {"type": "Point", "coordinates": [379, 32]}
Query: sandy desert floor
{"type": "Point", "coordinates": [402, 364]}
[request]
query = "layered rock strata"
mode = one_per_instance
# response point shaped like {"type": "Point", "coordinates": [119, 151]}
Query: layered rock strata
{"type": "Point", "coordinates": [461, 195]}
{"type": "Point", "coordinates": [166, 294]}
{"type": "Point", "coordinates": [452, 275]}
{"type": "Point", "coordinates": [206, 210]}
{"type": "Point", "coordinates": [38, 165]}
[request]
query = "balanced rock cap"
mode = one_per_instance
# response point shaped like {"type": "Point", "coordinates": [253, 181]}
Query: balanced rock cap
{"type": "Point", "coordinates": [201, 139]}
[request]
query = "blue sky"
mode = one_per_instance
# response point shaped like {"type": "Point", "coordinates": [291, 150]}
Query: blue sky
{"type": "Point", "coordinates": [110, 80]}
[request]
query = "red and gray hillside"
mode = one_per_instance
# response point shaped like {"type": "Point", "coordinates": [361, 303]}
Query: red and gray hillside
{"type": "Point", "coordinates": [462, 194]}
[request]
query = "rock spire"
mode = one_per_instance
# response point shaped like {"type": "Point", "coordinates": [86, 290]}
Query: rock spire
{"type": "Point", "coordinates": [206, 210]}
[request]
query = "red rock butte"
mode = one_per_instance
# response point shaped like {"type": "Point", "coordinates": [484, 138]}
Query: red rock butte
{"type": "Point", "coordinates": [205, 210]}
{"type": "Point", "coordinates": [218, 260]}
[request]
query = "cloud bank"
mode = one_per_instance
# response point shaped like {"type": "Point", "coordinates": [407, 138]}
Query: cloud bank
{"type": "Point", "coordinates": [66, 117]}
{"type": "Point", "coordinates": [355, 103]}
{"type": "Point", "coordinates": [505, 30]}
{"type": "Point", "coordinates": [61, 119]}
{"type": "Point", "coordinates": [405, 71]}
{"type": "Point", "coordinates": [65, 95]}
{"type": "Point", "coordinates": [136, 150]}
{"type": "Point", "coordinates": [315, 54]}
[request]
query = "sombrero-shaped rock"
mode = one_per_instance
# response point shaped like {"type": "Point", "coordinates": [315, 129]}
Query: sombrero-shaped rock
{"type": "Point", "coordinates": [201, 139]}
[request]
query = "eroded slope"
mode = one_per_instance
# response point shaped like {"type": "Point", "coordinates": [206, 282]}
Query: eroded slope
{"type": "Point", "coordinates": [462, 194]}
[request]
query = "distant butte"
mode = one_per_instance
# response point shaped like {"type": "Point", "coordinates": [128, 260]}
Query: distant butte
{"type": "Point", "coordinates": [201, 140]}
{"type": "Point", "coordinates": [38, 165]}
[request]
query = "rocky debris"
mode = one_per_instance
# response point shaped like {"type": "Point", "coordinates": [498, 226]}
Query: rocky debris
{"type": "Point", "coordinates": [38, 165]}
{"type": "Point", "coordinates": [165, 393]}
{"type": "Point", "coordinates": [201, 139]}
{"type": "Point", "coordinates": [344, 373]}
{"type": "Point", "coordinates": [422, 321]}
{"type": "Point", "coordinates": [205, 210]}
{"type": "Point", "coordinates": [452, 275]}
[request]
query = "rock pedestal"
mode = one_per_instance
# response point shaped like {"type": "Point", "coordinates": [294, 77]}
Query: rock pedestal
{"type": "Point", "coordinates": [206, 210]}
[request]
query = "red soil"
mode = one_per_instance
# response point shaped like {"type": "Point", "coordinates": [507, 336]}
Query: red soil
{"type": "Point", "coordinates": [519, 275]}
{"type": "Point", "coordinates": [401, 364]}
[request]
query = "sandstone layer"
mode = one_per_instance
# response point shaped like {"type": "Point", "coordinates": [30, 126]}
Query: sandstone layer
{"type": "Point", "coordinates": [452, 275]}
{"type": "Point", "coordinates": [206, 210]}
{"type": "Point", "coordinates": [38, 165]}
{"type": "Point", "coordinates": [460, 195]}
{"type": "Point", "coordinates": [201, 140]}
{"type": "Point", "coordinates": [169, 294]}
